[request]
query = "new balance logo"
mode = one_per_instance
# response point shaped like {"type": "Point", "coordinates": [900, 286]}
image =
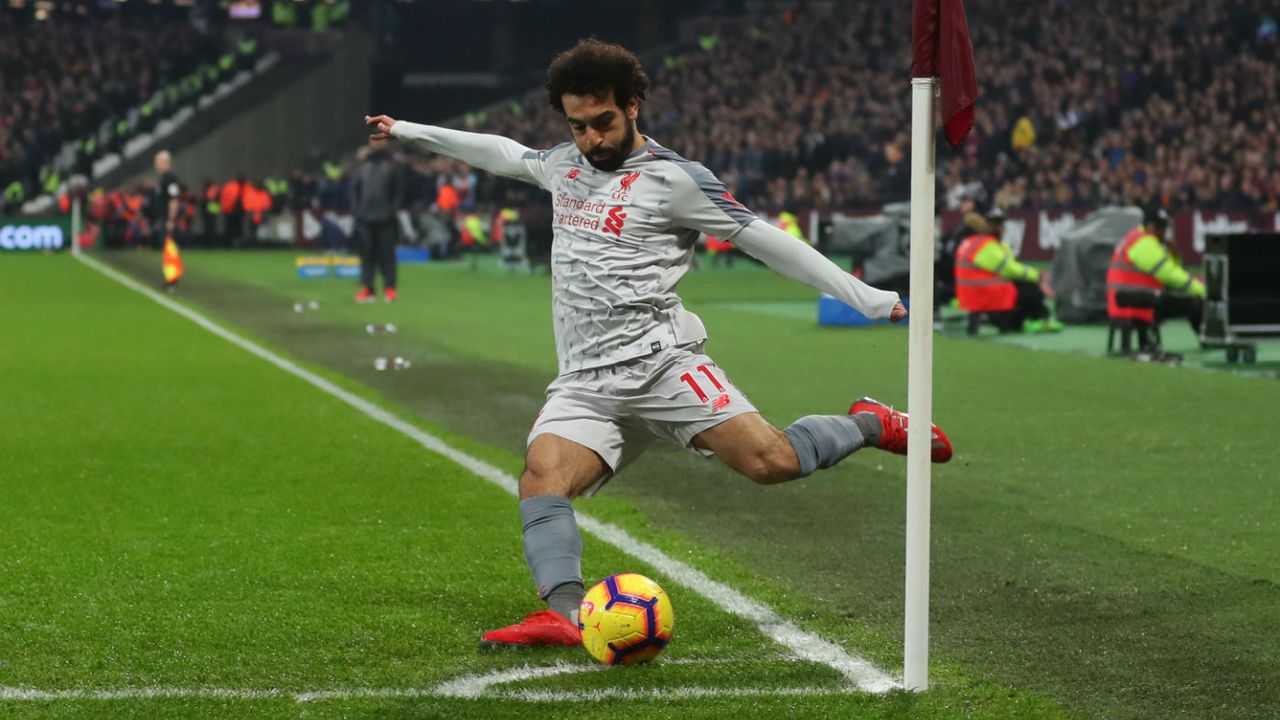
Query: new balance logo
{"type": "Point", "coordinates": [613, 223]}
{"type": "Point", "coordinates": [720, 403]}
{"type": "Point", "coordinates": [572, 173]}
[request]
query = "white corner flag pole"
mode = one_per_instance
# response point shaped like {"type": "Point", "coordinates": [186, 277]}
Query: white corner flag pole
{"type": "Point", "coordinates": [915, 652]}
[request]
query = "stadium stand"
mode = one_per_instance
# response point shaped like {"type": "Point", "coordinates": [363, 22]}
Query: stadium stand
{"type": "Point", "coordinates": [1084, 104]}
{"type": "Point", "coordinates": [76, 91]}
{"type": "Point", "coordinates": [1088, 103]}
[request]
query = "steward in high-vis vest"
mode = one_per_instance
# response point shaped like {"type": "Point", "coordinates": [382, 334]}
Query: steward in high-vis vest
{"type": "Point", "coordinates": [1142, 262]}
{"type": "Point", "coordinates": [990, 280]}
{"type": "Point", "coordinates": [790, 224]}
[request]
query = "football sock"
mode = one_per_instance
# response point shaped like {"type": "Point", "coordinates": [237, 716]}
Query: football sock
{"type": "Point", "coordinates": [565, 599]}
{"type": "Point", "coordinates": [821, 441]}
{"type": "Point", "coordinates": [552, 547]}
{"type": "Point", "coordinates": [869, 424]}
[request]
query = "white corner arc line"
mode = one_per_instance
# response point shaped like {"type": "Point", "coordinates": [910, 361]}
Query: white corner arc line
{"type": "Point", "coordinates": [466, 687]}
{"type": "Point", "coordinates": [474, 686]}
{"type": "Point", "coordinates": [682, 693]}
{"type": "Point", "coordinates": [803, 643]}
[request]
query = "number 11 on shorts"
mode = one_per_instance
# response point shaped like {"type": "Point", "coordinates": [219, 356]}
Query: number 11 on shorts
{"type": "Point", "coordinates": [702, 395]}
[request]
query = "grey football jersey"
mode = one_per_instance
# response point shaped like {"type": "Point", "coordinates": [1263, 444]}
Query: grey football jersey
{"type": "Point", "coordinates": [623, 240]}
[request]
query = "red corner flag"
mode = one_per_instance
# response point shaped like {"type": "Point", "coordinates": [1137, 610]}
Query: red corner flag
{"type": "Point", "coordinates": [940, 47]}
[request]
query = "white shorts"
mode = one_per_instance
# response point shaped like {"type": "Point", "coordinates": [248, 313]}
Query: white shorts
{"type": "Point", "coordinates": [619, 410]}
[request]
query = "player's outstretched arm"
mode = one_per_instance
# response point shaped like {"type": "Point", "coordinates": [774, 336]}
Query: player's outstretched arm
{"type": "Point", "coordinates": [699, 201]}
{"type": "Point", "coordinates": [800, 262]}
{"type": "Point", "coordinates": [493, 153]}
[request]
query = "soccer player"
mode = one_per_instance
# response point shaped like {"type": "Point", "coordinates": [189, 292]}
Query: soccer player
{"type": "Point", "coordinates": [627, 212]}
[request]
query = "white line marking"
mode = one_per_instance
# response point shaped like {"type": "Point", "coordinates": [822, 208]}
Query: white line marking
{"type": "Point", "coordinates": [804, 644]}
{"type": "Point", "coordinates": [467, 687]}
{"type": "Point", "coordinates": [660, 693]}
{"type": "Point", "coordinates": [145, 693]}
{"type": "Point", "coordinates": [475, 686]}
{"type": "Point", "coordinates": [532, 696]}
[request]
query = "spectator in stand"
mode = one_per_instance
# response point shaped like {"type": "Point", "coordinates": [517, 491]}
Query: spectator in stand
{"type": "Point", "coordinates": [1170, 103]}
{"type": "Point", "coordinates": [231, 200]}
{"type": "Point", "coordinates": [62, 79]}
{"type": "Point", "coordinates": [1072, 113]}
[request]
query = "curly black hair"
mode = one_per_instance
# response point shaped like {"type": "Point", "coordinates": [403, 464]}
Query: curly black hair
{"type": "Point", "coordinates": [593, 67]}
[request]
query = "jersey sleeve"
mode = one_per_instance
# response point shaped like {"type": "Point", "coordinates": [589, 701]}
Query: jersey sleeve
{"type": "Point", "coordinates": [493, 153]}
{"type": "Point", "coordinates": [797, 260]}
{"type": "Point", "coordinates": [699, 201]}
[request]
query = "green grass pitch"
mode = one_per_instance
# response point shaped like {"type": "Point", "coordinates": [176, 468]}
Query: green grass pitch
{"type": "Point", "coordinates": [182, 517]}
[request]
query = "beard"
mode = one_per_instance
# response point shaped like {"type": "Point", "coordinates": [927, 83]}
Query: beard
{"type": "Point", "coordinates": [610, 159]}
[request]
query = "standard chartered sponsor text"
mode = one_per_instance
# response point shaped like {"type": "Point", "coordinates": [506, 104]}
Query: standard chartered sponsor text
{"type": "Point", "coordinates": [566, 217]}
{"type": "Point", "coordinates": [569, 202]}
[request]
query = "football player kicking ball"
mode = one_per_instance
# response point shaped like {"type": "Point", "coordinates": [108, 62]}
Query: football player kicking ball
{"type": "Point", "coordinates": [627, 212]}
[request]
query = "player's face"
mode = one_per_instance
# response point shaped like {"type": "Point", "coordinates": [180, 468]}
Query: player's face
{"type": "Point", "coordinates": [604, 133]}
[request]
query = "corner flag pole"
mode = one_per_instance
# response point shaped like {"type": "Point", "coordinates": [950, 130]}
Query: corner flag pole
{"type": "Point", "coordinates": [915, 652]}
{"type": "Point", "coordinates": [940, 48]}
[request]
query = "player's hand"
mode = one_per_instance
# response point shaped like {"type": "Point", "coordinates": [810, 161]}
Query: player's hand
{"type": "Point", "coordinates": [381, 125]}
{"type": "Point", "coordinates": [898, 312]}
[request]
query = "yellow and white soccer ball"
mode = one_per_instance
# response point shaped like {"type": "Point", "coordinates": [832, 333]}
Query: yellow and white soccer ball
{"type": "Point", "coordinates": [625, 619]}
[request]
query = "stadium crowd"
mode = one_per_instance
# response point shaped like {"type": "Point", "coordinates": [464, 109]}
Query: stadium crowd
{"type": "Point", "coordinates": [62, 81]}
{"type": "Point", "coordinates": [1083, 103]}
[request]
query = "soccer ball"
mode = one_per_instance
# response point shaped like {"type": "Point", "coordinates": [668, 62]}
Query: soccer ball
{"type": "Point", "coordinates": [625, 619]}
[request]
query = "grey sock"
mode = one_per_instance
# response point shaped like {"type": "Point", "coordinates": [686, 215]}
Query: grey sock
{"type": "Point", "coordinates": [869, 424]}
{"type": "Point", "coordinates": [821, 441]}
{"type": "Point", "coordinates": [552, 543]}
{"type": "Point", "coordinates": [566, 598]}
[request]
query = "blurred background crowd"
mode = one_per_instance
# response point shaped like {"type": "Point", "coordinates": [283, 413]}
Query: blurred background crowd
{"type": "Point", "coordinates": [796, 106]}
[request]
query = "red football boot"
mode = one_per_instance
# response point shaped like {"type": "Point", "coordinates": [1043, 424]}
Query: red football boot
{"type": "Point", "coordinates": [894, 423]}
{"type": "Point", "coordinates": [544, 627]}
{"type": "Point", "coordinates": [365, 296]}
{"type": "Point", "coordinates": [389, 294]}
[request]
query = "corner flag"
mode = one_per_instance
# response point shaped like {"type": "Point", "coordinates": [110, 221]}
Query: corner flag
{"type": "Point", "coordinates": [940, 47]}
{"type": "Point", "coordinates": [171, 262]}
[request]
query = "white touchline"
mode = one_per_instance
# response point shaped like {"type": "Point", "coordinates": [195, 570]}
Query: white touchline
{"type": "Point", "coordinates": [804, 644]}
{"type": "Point", "coordinates": [659, 693]}
{"type": "Point", "coordinates": [532, 696]}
